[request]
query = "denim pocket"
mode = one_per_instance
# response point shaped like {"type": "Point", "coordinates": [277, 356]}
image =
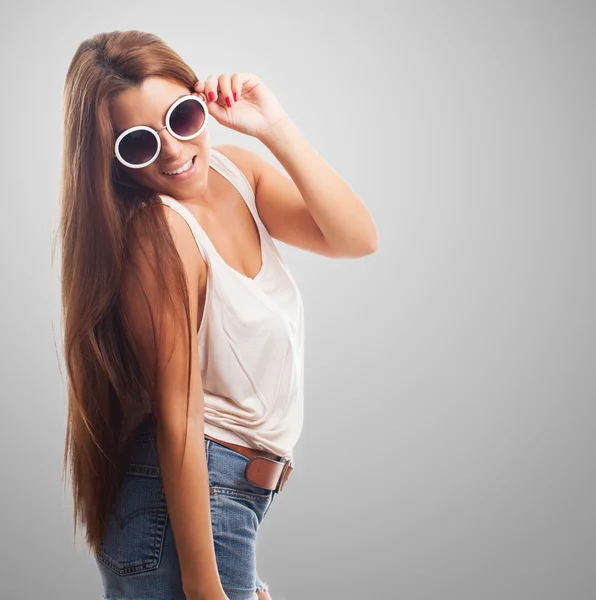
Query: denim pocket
{"type": "Point", "coordinates": [143, 516]}
{"type": "Point", "coordinates": [226, 474]}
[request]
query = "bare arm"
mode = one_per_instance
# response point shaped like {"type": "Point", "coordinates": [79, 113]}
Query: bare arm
{"type": "Point", "coordinates": [185, 480]}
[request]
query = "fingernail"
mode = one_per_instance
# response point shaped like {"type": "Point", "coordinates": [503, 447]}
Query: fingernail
{"type": "Point", "coordinates": [211, 96]}
{"type": "Point", "coordinates": [228, 102]}
{"type": "Point", "coordinates": [235, 97]}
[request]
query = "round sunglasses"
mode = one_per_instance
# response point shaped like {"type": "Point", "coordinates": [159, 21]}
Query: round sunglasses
{"type": "Point", "coordinates": [139, 146]}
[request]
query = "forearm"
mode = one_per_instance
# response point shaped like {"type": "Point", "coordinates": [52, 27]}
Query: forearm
{"type": "Point", "coordinates": [341, 216]}
{"type": "Point", "coordinates": [186, 487]}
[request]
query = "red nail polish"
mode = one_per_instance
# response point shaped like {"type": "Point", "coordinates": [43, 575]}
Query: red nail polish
{"type": "Point", "coordinates": [228, 102]}
{"type": "Point", "coordinates": [211, 96]}
{"type": "Point", "coordinates": [235, 97]}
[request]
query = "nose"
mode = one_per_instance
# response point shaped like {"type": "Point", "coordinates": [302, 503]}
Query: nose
{"type": "Point", "coordinates": [170, 146]}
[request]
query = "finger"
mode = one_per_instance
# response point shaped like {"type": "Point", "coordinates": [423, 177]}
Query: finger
{"type": "Point", "coordinates": [236, 82]}
{"type": "Point", "coordinates": [226, 89]}
{"type": "Point", "coordinates": [220, 113]}
{"type": "Point", "coordinates": [211, 88]}
{"type": "Point", "coordinates": [199, 88]}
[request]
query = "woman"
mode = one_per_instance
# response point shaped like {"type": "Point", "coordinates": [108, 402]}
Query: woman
{"type": "Point", "coordinates": [183, 325]}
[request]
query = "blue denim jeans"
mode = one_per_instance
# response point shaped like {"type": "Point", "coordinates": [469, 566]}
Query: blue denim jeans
{"type": "Point", "coordinates": [146, 566]}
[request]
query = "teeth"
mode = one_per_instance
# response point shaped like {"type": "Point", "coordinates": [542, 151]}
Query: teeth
{"type": "Point", "coordinates": [183, 168]}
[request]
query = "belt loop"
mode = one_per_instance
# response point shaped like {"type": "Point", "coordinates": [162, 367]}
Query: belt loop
{"type": "Point", "coordinates": [280, 481]}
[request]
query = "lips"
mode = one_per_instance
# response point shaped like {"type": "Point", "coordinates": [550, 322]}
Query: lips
{"type": "Point", "coordinates": [185, 175]}
{"type": "Point", "coordinates": [177, 167]}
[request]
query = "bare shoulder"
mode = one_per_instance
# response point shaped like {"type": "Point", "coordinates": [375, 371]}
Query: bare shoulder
{"type": "Point", "coordinates": [145, 254]}
{"type": "Point", "coordinates": [279, 202]}
{"type": "Point", "coordinates": [185, 243]}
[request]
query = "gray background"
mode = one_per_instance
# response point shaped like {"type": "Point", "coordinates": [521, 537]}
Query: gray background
{"type": "Point", "coordinates": [449, 434]}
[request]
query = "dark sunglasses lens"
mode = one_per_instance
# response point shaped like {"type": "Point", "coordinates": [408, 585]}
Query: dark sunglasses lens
{"type": "Point", "coordinates": [138, 147]}
{"type": "Point", "coordinates": [187, 118]}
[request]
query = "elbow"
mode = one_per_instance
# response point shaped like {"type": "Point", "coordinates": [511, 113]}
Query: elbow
{"type": "Point", "coordinates": [356, 248]}
{"type": "Point", "coordinates": [364, 248]}
{"type": "Point", "coordinates": [370, 245]}
{"type": "Point", "coordinates": [373, 244]}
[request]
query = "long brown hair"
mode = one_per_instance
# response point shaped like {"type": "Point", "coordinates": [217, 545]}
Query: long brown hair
{"type": "Point", "coordinates": [102, 209]}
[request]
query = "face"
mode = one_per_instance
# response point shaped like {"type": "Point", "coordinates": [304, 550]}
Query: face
{"type": "Point", "coordinates": [148, 105]}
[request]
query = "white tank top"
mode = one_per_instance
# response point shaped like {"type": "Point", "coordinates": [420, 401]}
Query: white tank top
{"type": "Point", "coordinates": [251, 339]}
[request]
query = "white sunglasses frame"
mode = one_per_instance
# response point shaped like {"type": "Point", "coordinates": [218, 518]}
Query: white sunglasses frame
{"type": "Point", "coordinates": [155, 132]}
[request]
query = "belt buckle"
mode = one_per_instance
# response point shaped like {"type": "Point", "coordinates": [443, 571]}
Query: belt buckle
{"type": "Point", "coordinates": [287, 463]}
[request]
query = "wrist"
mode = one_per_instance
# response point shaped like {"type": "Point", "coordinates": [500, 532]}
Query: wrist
{"type": "Point", "coordinates": [276, 131]}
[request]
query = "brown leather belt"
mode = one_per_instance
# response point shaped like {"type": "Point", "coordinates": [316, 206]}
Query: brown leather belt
{"type": "Point", "coordinates": [263, 469]}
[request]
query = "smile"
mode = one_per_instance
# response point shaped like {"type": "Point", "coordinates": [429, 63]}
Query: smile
{"type": "Point", "coordinates": [184, 170]}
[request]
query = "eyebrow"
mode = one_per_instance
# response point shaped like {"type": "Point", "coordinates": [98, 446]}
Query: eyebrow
{"type": "Point", "coordinates": [121, 130]}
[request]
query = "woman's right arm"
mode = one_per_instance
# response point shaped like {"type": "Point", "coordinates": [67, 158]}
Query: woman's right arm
{"type": "Point", "coordinates": [185, 481]}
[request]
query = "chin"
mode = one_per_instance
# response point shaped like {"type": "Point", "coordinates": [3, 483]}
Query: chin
{"type": "Point", "coordinates": [190, 188]}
